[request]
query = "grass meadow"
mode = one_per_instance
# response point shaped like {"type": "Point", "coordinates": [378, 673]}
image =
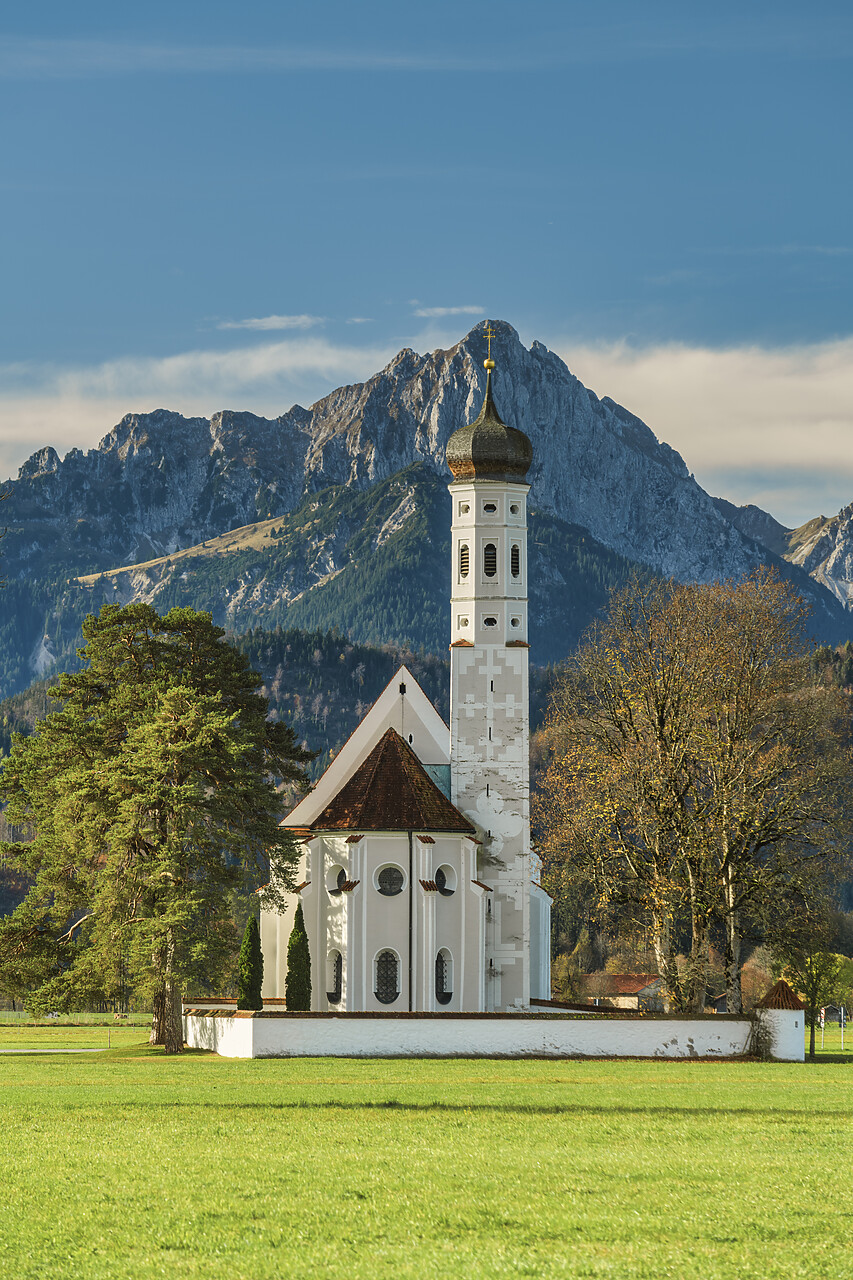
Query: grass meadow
{"type": "Point", "coordinates": [129, 1164]}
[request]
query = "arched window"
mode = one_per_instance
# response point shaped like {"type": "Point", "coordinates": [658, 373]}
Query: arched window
{"type": "Point", "coordinates": [490, 559]}
{"type": "Point", "coordinates": [335, 880]}
{"type": "Point", "coordinates": [463, 560]}
{"type": "Point", "coordinates": [443, 977]}
{"type": "Point", "coordinates": [515, 561]}
{"type": "Point", "coordinates": [387, 977]}
{"type": "Point", "coordinates": [335, 977]}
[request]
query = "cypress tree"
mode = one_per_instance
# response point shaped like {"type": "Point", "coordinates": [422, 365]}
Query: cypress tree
{"type": "Point", "coordinates": [250, 973]}
{"type": "Point", "coordinates": [297, 984]}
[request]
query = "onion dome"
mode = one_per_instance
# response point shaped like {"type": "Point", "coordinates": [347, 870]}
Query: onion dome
{"type": "Point", "coordinates": [488, 449]}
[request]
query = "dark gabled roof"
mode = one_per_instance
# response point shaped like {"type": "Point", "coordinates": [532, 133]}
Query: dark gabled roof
{"type": "Point", "coordinates": [391, 791]}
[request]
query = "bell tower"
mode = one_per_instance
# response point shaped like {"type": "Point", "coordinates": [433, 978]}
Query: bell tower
{"type": "Point", "coordinates": [489, 699]}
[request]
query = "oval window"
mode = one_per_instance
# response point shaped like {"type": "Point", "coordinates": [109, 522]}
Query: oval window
{"type": "Point", "coordinates": [515, 622]}
{"type": "Point", "coordinates": [387, 977]}
{"type": "Point", "coordinates": [463, 560]}
{"type": "Point", "coordinates": [464, 508]}
{"type": "Point", "coordinates": [490, 559]}
{"type": "Point", "coordinates": [390, 881]}
{"type": "Point", "coordinates": [490, 508]}
{"type": "Point", "coordinates": [445, 881]}
{"type": "Point", "coordinates": [515, 561]}
{"type": "Point", "coordinates": [513, 508]}
{"type": "Point", "coordinates": [490, 622]}
{"type": "Point", "coordinates": [443, 977]}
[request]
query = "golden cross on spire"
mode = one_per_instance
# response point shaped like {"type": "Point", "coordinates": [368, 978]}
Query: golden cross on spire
{"type": "Point", "coordinates": [489, 363]}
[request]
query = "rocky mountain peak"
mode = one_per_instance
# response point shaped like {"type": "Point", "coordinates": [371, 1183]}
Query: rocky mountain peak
{"type": "Point", "coordinates": [44, 462]}
{"type": "Point", "coordinates": [160, 481]}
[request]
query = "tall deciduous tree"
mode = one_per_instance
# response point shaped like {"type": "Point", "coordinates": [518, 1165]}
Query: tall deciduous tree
{"type": "Point", "coordinates": [695, 770]}
{"type": "Point", "coordinates": [151, 796]}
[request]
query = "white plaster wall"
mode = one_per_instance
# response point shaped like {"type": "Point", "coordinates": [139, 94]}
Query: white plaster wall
{"type": "Point", "coordinates": [787, 1031]}
{"type": "Point", "coordinates": [540, 944]}
{"type": "Point", "coordinates": [244, 1036]}
{"type": "Point", "coordinates": [229, 1036]}
{"type": "Point", "coordinates": [516, 1037]}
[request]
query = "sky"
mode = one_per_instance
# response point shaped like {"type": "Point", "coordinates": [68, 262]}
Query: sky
{"type": "Point", "coordinates": [210, 205]}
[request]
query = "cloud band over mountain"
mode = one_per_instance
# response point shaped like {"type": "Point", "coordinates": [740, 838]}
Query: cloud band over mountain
{"type": "Point", "coordinates": [763, 425]}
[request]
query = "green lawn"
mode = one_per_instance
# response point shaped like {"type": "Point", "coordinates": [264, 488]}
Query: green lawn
{"type": "Point", "coordinates": [129, 1164]}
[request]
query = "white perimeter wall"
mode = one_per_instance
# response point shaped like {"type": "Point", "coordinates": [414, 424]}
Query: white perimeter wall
{"type": "Point", "coordinates": [512, 1037]}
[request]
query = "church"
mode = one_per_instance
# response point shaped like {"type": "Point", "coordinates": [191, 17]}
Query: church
{"type": "Point", "coordinates": [417, 879]}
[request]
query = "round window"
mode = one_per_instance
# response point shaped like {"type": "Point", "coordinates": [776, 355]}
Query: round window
{"type": "Point", "coordinates": [390, 881]}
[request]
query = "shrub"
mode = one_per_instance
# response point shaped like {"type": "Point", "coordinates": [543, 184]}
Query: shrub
{"type": "Point", "coordinates": [297, 984]}
{"type": "Point", "coordinates": [250, 973]}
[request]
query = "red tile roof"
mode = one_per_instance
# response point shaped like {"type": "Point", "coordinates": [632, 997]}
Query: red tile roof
{"type": "Point", "coordinates": [391, 791]}
{"type": "Point", "coordinates": [780, 996]}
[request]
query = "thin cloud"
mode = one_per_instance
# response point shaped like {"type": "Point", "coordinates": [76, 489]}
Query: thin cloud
{"type": "Point", "coordinates": [754, 424]}
{"type": "Point", "coordinates": [770, 426]}
{"type": "Point", "coordinates": [265, 323]}
{"type": "Point", "coordinates": [623, 41]}
{"type": "Point", "coordinates": [435, 313]}
{"type": "Point", "coordinates": [74, 407]}
{"type": "Point", "coordinates": [71, 59]}
{"type": "Point", "coordinates": [780, 251]}
{"type": "Point", "coordinates": [360, 320]}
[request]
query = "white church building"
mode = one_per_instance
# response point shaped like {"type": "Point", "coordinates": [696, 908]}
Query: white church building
{"type": "Point", "coordinates": [417, 878]}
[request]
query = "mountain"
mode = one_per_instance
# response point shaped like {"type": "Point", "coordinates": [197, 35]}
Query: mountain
{"type": "Point", "coordinates": [823, 546]}
{"type": "Point", "coordinates": [374, 565]}
{"type": "Point", "coordinates": [152, 505]}
{"type": "Point", "coordinates": [159, 482]}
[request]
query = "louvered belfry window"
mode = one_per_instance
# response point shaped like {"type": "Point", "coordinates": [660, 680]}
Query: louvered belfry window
{"type": "Point", "coordinates": [387, 977]}
{"type": "Point", "coordinates": [463, 560]}
{"type": "Point", "coordinates": [490, 559]}
{"type": "Point", "coordinates": [515, 561]}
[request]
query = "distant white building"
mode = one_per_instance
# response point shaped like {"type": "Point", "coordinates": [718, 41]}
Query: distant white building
{"type": "Point", "coordinates": [417, 880]}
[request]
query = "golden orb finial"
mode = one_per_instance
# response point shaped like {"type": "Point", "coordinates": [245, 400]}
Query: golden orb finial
{"type": "Point", "coordinates": [489, 363]}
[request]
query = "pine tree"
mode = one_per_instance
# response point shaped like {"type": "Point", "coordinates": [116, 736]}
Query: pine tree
{"type": "Point", "coordinates": [250, 968]}
{"type": "Point", "coordinates": [297, 984]}
{"type": "Point", "coordinates": [152, 797]}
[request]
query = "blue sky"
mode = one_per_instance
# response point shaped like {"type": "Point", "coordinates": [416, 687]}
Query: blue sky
{"type": "Point", "coordinates": [208, 205]}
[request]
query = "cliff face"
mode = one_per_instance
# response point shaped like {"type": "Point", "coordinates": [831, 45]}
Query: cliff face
{"type": "Point", "coordinates": [824, 548]}
{"type": "Point", "coordinates": [159, 481]}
